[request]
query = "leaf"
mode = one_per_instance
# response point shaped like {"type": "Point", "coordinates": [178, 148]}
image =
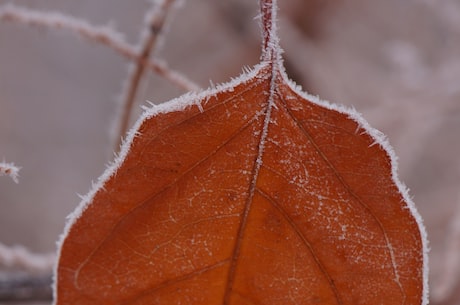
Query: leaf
{"type": "Point", "coordinates": [250, 193]}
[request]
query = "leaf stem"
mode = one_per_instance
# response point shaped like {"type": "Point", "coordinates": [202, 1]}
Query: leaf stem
{"type": "Point", "coordinates": [270, 44]}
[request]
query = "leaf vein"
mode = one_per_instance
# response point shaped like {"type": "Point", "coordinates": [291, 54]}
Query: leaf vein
{"type": "Point", "coordinates": [350, 191]}
{"type": "Point", "coordinates": [305, 241]}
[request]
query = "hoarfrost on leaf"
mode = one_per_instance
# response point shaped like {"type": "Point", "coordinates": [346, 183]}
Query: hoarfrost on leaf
{"type": "Point", "coordinates": [283, 170]}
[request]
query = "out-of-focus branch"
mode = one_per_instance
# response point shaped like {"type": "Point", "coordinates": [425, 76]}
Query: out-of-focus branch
{"type": "Point", "coordinates": [99, 34]}
{"type": "Point", "coordinates": [19, 257]}
{"type": "Point", "coordinates": [21, 286]}
{"type": "Point", "coordinates": [443, 289]}
{"type": "Point", "coordinates": [9, 169]}
{"type": "Point", "coordinates": [25, 275]}
{"type": "Point", "coordinates": [154, 21]}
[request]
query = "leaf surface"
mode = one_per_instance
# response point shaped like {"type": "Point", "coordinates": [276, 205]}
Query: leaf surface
{"type": "Point", "coordinates": [249, 193]}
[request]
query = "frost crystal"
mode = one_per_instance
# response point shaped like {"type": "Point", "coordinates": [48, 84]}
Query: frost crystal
{"type": "Point", "coordinates": [9, 169]}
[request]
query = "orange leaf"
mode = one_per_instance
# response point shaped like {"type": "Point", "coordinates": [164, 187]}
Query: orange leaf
{"type": "Point", "coordinates": [250, 193]}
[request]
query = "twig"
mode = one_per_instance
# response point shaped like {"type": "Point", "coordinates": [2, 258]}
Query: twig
{"type": "Point", "coordinates": [19, 257]}
{"type": "Point", "coordinates": [9, 169]}
{"type": "Point", "coordinates": [19, 286]}
{"type": "Point", "coordinates": [174, 77]}
{"type": "Point", "coordinates": [25, 275]}
{"type": "Point", "coordinates": [154, 21]}
{"type": "Point", "coordinates": [100, 34]}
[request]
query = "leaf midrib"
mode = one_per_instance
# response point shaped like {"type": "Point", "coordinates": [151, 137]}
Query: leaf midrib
{"type": "Point", "coordinates": [274, 68]}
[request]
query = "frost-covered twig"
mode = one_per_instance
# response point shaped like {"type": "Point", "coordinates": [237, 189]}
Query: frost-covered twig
{"type": "Point", "coordinates": [100, 34]}
{"type": "Point", "coordinates": [9, 169]}
{"type": "Point", "coordinates": [29, 277]}
{"type": "Point", "coordinates": [19, 257]}
{"type": "Point", "coordinates": [154, 22]}
{"type": "Point", "coordinates": [20, 286]}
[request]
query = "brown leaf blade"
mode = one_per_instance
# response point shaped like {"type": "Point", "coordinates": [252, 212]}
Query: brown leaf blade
{"type": "Point", "coordinates": [251, 193]}
{"type": "Point", "coordinates": [254, 196]}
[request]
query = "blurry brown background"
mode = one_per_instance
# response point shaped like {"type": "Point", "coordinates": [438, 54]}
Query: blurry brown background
{"type": "Point", "coordinates": [395, 61]}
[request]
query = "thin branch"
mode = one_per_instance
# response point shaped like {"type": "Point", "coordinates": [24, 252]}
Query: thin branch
{"type": "Point", "coordinates": [104, 35]}
{"type": "Point", "coordinates": [18, 257]}
{"type": "Point", "coordinates": [174, 77]}
{"type": "Point", "coordinates": [154, 21]}
{"type": "Point", "coordinates": [20, 286]}
{"type": "Point", "coordinates": [100, 34]}
{"type": "Point", "coordinates": [11, 170]}
{"type": "Point", "coordinates": [25, 275]}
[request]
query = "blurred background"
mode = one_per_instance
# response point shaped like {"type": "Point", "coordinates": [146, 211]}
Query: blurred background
{"type": "Point", "coordinates": [395, 61]}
